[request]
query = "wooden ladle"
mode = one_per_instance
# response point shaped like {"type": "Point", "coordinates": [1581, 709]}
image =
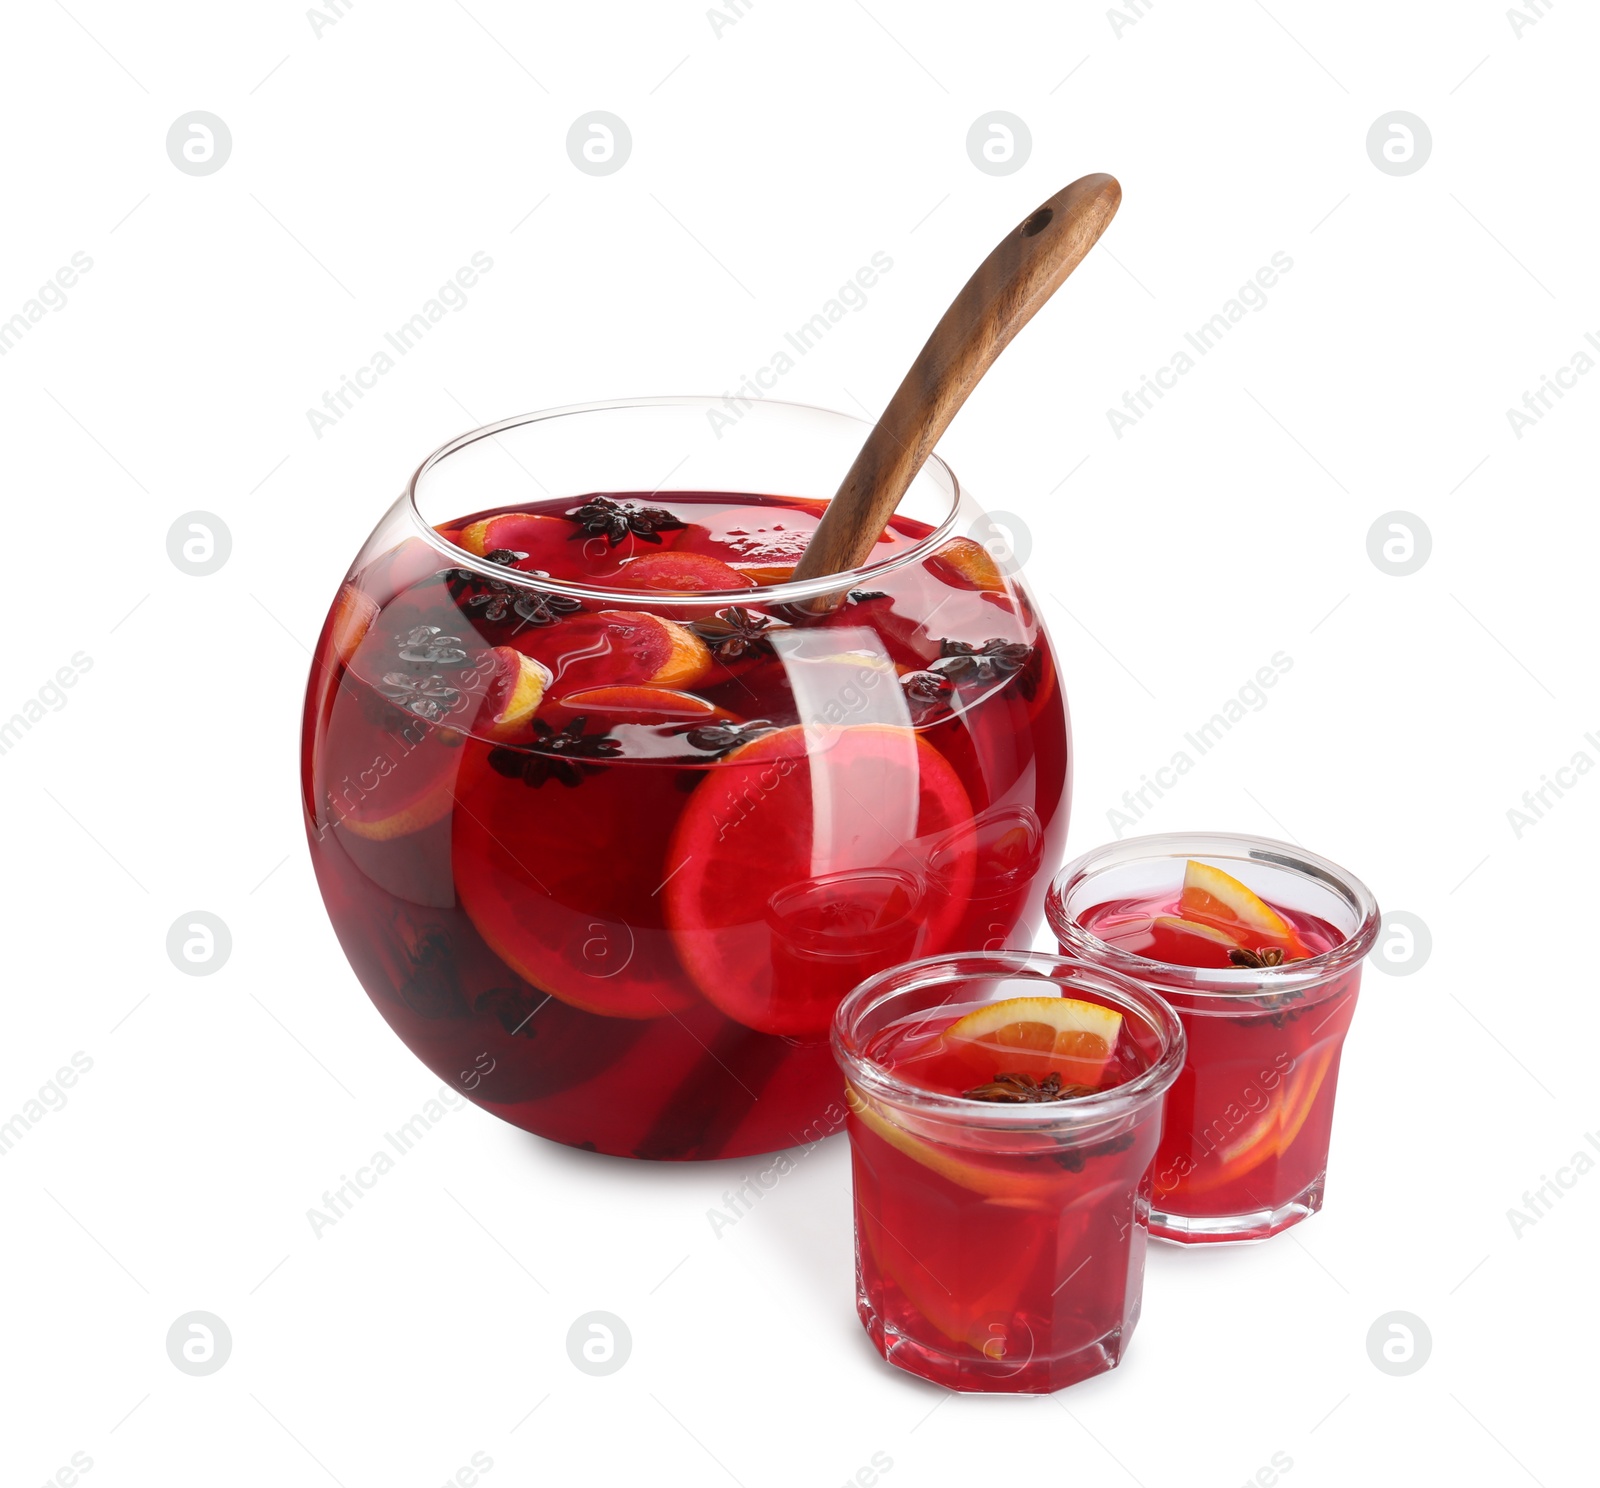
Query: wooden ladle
{"type": "Point", "coordinates": [1030, 263]}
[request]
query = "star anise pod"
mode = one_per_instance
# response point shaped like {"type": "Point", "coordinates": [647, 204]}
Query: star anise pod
{"type": "Point", "coordinates": [432, 989]}
{"type": "Point", "coordinates": [1256, 960]}
{"type": "Point", "coordinates": [600, 516]}
{"type": "Point", "coordinates": [862, 596]}
{"type": "Point", "coordinates": [1019, 1089]}
{"type": "Point", "coordinates": [988, 662]}
{"type": "Point", "coordinates": [497, 600]}
{"type": "Point", "coordinates": [565, 755]}
{"type": "Point", "coordinates": [513, 1007]}
{"type": "Point", "coordinates": [734, 632]}
{"type": "Point", "coordinates": [428, 645]}
{"type": "Point", "coordinates": [928, 694]}
{"type": "Point", "coordinates": [429, 697]}
{"type": "Point", "coordinates": [719, 738]}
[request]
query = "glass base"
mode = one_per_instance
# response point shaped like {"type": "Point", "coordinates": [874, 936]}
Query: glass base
{"type": "Point", "coordinates": [973, 1374]}
{"type": "Point", "coordinates": [1237, 1229]}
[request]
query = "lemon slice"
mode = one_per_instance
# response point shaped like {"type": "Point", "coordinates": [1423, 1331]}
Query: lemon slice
{"type": "Point", "coordinates": [1039, 1036]}
{"type": "Point", "coordinates": [1218, 899]}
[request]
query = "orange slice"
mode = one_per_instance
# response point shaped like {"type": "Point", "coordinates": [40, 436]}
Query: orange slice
{"type": "Point", "coordinates": [644, 704]}
{"type": "Point", "coordinates": [515, 690]}
{"type": "Point", "coordinates": [970, 564]}
{"type": "Point", "coordinates": [1215, 898]}
{"type": "Point", "coordinates": [1038, 1036]}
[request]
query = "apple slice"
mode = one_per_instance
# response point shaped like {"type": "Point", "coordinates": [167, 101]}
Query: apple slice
{"type": "Point", "coordinates": [1215, 898]}
{"type": "Point", "coordinates": [969, 564]}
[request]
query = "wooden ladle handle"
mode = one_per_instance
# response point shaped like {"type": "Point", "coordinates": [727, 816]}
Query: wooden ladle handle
{"type": "Point", "coordinates": [1026, 268]}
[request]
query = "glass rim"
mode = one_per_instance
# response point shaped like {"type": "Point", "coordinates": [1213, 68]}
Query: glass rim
{"type": "Point", "coordinates": [790, 592]}
{"type": "Point", "coordinates": [1243, 982]}
{"type": "Point", "coordinates": [958, 966]}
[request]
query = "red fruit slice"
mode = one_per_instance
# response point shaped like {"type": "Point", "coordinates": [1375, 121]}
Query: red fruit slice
{"type": "Point", "coordinates": [514, 686]}
{"type": "Point", "coordinates": [796, 871]}
{"type": "Point", "coordinates": [350, 619]}
{"type": "Point", "coordinates": [543, 539]}
{"type": "Point", "coordinates": [644, 705]}
{"type": "Point", "coordinates": [618, 647]}
{"type": "Point", "coordinates": [682, 573]}
{"type": "Point", "coordinates": [563, 882]}
{"type": "Point", "coordinates": [386, 783]}
{"type": "Point", "coordinates": [1176, 941]}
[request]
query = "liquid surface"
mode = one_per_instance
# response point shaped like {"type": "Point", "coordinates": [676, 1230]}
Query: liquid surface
{"type": "Point", "coordinates": [920, 1049]}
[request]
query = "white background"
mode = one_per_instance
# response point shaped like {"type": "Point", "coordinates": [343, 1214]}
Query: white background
{"type": "Point", "coordinates": [769, 162]}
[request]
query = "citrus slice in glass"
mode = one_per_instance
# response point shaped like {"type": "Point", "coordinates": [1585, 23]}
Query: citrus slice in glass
{"type": "Point", "coordinates": [1037, 1037]}
{"type": "Point", "coordinates": [1218, 899]}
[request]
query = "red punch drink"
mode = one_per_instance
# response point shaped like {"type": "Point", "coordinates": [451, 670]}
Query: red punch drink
{"type": "Point", "coordinates": [609, 815]}
{"type": "Point", "coordinates": [1259, 947]}
{"type": "Point", "coordinates": [1004, 1111]}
